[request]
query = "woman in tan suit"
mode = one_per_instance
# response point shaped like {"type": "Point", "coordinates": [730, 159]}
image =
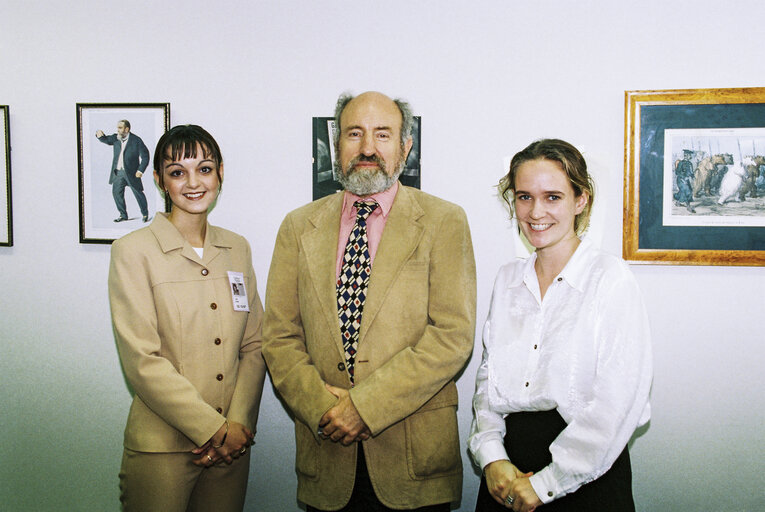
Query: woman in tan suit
{"type": "Point", "coordinates": [189, 345]}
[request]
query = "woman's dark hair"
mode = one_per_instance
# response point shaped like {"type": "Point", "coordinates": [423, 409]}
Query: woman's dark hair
{"type": "Point", "coordinates": [182, 142]}
{"type": "Point", "coordinates": [571, 162]}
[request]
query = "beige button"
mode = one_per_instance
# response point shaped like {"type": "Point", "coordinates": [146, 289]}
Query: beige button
{"type": "Point", "coordinates": [341, 367]}
{"type": "Point", "coordinates": [205, 271]}
{"type": "Point", "coordinates": [213, 306]}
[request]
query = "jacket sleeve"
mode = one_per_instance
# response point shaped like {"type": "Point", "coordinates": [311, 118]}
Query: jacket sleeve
{"type": "Point", "coordinates": [153, 377]}
{"type": "Point", "coordinates": [245, 402]}
{"type": "Point", "coordinates": [447, 338]}
{"type": "Point", "coordinates": [144, 154]}
{"type": "Point", "coordinates": [284, 343]}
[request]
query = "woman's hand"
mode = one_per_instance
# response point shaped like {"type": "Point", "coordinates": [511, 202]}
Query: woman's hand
{"type": "Point", "coordinates": [236, 438]}
{"type": "Point", "coordinates": [502, 479]}
{"type": "Point", "coordinates": [525, 499]}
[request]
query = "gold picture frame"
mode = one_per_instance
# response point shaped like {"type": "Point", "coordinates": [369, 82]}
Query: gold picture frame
{"type": "Point", "coordinates": [679, 213]}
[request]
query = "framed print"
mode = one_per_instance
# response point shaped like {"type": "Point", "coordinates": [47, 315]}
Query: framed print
{"type": "Point", "coordinates": [115, 142]}
{"type": "Point", "coordinates": [324, 177]}
{"type": "Point", "coordinates": [694, 184]}
{"type": "Point", "coordinates": [6, 217]}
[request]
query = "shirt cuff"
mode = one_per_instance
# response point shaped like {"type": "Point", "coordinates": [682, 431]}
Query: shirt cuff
{"type": "Point", "coordinates": [545, 485]}
{"type": "Point", "coordinates": [490, 451]}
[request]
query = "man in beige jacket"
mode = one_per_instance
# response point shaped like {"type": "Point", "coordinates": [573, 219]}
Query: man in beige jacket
{"type": "Point", "coordinates": [375, 404]}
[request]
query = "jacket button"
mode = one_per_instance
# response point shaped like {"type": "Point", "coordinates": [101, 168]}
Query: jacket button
{"type": "Point", "coordinates": [560, 279]}
{"type": "Point", "coordinates": [213, 306]}
{"type": "Point", "coordinates": [341, 367]}
{"type": "Point", "coordinates": [550, 494]}
{"type": "Point", "coordinates": [219, 376]}
{"type": "Point", "coordinates": [217, 341]}
{"type": "Point", "coordinates": [220, 411]}
{"type": "Point", "coordinates": [205, 271]}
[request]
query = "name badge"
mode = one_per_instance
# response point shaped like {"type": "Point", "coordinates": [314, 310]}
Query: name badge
{"type": "Point", "coordinates": [238, 291]}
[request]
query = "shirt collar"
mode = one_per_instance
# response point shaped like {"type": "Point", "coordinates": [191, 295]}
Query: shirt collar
{"type": "Point", "coordinates": [574, 273]}
{"type": "Point", "coordinates": [384, 199]}
{"type": "Point", "coordinates": [577, 268]}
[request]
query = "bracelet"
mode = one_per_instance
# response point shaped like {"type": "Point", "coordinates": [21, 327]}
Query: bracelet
{"type": "Point", "coordinates": [222, 441]}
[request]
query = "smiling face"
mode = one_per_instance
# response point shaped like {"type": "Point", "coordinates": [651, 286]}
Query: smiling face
{"type": "Point", "coordinates": [192, 182]}
{"type": "Point", "coordinates": [546, 205]}
{"type": "Point", "coordinates": [370, 153]}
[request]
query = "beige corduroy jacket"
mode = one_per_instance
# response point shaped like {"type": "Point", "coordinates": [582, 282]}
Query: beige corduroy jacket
{"type": "Point", "coordinates": [416, 334]}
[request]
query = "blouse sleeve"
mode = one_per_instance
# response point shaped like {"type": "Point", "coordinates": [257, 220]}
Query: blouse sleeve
{"type": "Point", "coordinates": [487, 432]}
{"type": "Point", "coordinates": [596, 436]}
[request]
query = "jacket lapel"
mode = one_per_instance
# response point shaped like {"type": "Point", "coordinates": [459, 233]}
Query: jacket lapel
{"type": "Point", "coordinates": [320, 247]}
{"type": "Point", "coordinates": [400, 238]}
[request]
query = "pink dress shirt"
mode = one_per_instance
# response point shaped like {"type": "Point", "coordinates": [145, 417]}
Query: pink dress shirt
{"type": "Point", "coordinates": [375, 222]}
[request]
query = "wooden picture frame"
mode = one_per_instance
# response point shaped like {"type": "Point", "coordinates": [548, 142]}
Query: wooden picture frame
{"type": "Point", "coordinates": [686, 150]}
{"type": "Point", "coordinates": [101, 201]}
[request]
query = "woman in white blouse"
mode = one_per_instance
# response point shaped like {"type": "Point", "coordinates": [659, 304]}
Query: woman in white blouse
{"type": "Point", "coordinates": [566, 369]}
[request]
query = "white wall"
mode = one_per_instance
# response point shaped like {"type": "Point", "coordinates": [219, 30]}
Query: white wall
{"type": "Point", "coordinates": [487, 78]}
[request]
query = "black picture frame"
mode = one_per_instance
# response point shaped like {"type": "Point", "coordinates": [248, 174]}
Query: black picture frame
{"type": "Point", "coordinates": [96, 175]}
{"type": "Point", "coordinates": [6, 209]}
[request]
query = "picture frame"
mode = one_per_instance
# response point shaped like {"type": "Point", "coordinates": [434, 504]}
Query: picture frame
{"type": "Point", "coordinates": [694, 181]}
{"type": "Point", "coordinates": [324, 182]}
{"type": "Point", "coordinates": [6, 210]}
{"type": "Point", "coordinates": [114, 200]}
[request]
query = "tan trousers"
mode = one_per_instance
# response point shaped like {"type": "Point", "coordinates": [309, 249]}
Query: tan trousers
{"type": "Point", "coordinates": [170, 482]}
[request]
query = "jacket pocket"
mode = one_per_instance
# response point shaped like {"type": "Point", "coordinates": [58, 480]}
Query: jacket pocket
{"type": "Point", "coordinates": [306, 451]}
{"type": "Point", "coordinates": [432, 443]}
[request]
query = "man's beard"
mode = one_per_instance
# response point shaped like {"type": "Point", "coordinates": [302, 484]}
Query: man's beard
{"type": "Point", "coordinates": [365, 182]}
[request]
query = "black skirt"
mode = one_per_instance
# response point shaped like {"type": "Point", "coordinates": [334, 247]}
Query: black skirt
{"type": "Point", "coordinates": [528, 439]}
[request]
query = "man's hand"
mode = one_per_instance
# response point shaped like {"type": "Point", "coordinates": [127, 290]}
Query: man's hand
{"type": "Point", "coordinates": [342, 422]}
{"type": "Point", "coordinates": [138, 174]}
{"type": "Point", "coordinates": [99, 133]}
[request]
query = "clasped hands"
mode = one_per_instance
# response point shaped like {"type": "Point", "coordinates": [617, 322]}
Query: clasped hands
{"type": "Point", "coordinates": [342, 423]}
{"type": "Point", "coordinates": [504, 479]}
{"type": "Point", "coordinates": [237, 439]}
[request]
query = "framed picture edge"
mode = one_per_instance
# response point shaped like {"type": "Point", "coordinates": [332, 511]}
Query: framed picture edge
{"type": "Point", "coordinates": [631, 251]}
{"type": "Point", "coordinates": [6, 113]}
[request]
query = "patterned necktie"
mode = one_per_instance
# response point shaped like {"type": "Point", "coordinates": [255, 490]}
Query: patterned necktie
{"type": "Point", "coordinates": [352, 283]}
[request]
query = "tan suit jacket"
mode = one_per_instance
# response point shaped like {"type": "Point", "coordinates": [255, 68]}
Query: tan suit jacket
{"type": "Point", "coordinates": [190, 358]}
{"type": "Point", "coordinates": [416, 334]}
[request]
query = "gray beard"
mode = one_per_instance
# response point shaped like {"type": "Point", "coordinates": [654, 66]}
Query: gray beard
{"type": "Point", "coordinates": [364, 182]}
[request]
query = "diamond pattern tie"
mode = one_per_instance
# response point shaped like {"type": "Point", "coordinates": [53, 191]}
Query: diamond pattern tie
{"type": "Point", "coordinates": [352, 283]}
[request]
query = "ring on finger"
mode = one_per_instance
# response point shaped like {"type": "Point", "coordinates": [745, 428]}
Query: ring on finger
{"type": "Point", "coordinates": [209, 458]}
{"type": "Point", "coordinates": [509, 500]}
{"type": "Point", "coordinates": [243, 450]}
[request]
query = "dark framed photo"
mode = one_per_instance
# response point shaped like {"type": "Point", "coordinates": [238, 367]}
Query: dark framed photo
{"type": "Point", "coordinates": [6, 217]}
{"type": "Point", "coordinates": [694, 185]}
{"type": "Point", "coordinates": [115, 143]}
{"type": "Point", "coordinates": [324, 181]}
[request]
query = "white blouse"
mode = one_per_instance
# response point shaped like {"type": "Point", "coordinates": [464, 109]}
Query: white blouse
{"type": "Point", "coordinates": [585, 351]}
